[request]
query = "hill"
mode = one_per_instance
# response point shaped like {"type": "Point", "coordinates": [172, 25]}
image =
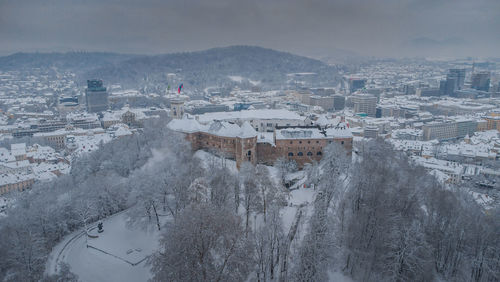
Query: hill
{"type": "Point", "coordinates": [197, 70]}
{"type": "Point", "coordinates": [215, 66]}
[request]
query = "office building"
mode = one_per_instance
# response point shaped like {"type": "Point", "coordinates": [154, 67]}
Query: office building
{"type": "Point", "coordinates": [338, 102]}
{"type": "Point", "coordinates": [447, 87]}
{"type": "Point", "coordinates": [370, 132]}
{"type": "Point", "coordinates": [427, 92]}
{"type": "Point", "coordinates": [481, 81]}
{"type": "Point", "coordinates": [459, 76]}
{"type": "Point", "coordinates": [356, 84]}
{"type": "Point", "coordinates": [440, 131]}
{"type": "Point", "coordinates": [466, 127]}
{"type": "Point", "coordinates": [326, 102]}
{"type": "Point", "coordinates": [365, 103]}
{"type": "Point", "coordinates": [96, 96]}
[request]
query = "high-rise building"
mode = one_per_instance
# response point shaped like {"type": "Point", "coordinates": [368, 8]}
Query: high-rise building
{"type": "Point", "coordinates": [365, 103]}
{"type": "Point", "coordinates": [459, 76]}
{"type": "Point", "coordinates": [96, 96]}
{"type": "Point", "coordinates": [356, 84]}
{"type": "Point", "coordinates": [481, 81]}
{"type": "Point", "coordinates": [338, 102]}
{"type": "Point", "coordinates": [450, 86]}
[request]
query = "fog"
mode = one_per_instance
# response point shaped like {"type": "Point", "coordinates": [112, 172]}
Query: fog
{"type": "Point", "coordinates": [315, 28]}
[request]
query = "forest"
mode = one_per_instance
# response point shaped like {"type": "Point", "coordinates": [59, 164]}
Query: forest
{"type": "Point", "coordinates": [375, 217]}
{"type": "Point", "coordinates": [197, 70]}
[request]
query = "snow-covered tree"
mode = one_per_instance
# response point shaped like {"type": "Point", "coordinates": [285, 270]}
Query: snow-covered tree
{"type": "Point", "coordinates": [203, 244]}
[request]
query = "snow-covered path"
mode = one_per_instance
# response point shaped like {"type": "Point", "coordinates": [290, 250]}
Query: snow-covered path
{"type": "Point", "coordinates": [121, 258]}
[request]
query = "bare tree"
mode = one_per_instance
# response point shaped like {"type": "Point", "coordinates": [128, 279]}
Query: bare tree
{"type": "Point", "coordinates": [204, 244]}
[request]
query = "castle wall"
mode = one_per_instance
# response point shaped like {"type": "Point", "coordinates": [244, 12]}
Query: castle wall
{"type": "Point", "coordinates": [302, 151]}
{"type": "Point", "coordinates": [231, 147]}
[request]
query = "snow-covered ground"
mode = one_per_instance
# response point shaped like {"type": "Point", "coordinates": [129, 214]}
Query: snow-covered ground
{"type": "Point", "coordinates": [235, 78]}
{"type": "Point", "coordinates": [121, 255]}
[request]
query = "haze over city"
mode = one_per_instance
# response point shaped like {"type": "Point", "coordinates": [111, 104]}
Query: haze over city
{"type": "Point", "coordinates": [317, 28]}
{"type": "Point", "coordinates": [239, 140]}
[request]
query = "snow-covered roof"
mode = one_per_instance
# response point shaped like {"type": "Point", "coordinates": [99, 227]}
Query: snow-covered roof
{"type": "Point", "coordinates": [14, 178]}
{"type": "Point", "coordinates": [247, 131]}
{"type": "Point", "coordinates": [18, 149]}
{"type": "Point", "coordinates": [186, 125]}
{"type": "Point", "coordinates": [117, 115]}
{"type": "Point", "coordinates": [314, 133]}
{"type": "Point", "coordinates": [6, 156]}
{"type": "Point", "coordinates": [219, 128]}
{"type": "Point", "coordinates": [250, 115]}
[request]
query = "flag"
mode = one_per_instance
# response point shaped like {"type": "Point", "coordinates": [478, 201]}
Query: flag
{"type": "Point", "coordinates": [180, 88]}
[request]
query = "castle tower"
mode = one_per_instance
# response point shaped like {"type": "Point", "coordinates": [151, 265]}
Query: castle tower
{"type": "Point", "coordinates": [246, 146]}
{"type": "Point", "coordinates": [176, 109]}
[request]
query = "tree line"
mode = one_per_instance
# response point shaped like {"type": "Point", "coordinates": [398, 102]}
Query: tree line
{"type": "Point", "coordinates": [377, 218]}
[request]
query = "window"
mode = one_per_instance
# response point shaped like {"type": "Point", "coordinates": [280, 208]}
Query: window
{"type": "Point", "coordinates": [300, 154]}
{"type": "Point", "coordinates": [309, 153]}
{"type": "Point", "coordinates": [319, 153]}
{"type": "Point", "coordinates": [249, 153]}
{"type": "Point", "coordinates": [291, 142]}
{"type": "Point", "coordinates": [330, 142]}
{"type": "Point", "coordinates": [300, 142]}
{"type": "Point", "coordinates": [317, 142]}
{"type": "Point", "coordinates": [290, 154]}
{"type": "Point", "coordinates": [308, 142]}
{"type": "Point", "coordinates": [342, 142]}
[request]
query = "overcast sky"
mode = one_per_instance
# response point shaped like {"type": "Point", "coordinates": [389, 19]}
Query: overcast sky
{"type": "Point", "coordinates": [307, 27]}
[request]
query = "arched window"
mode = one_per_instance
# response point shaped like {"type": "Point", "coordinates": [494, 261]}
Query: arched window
{"type": "Point", "coordinates": [309, 153]}
{"type": "Point", "coordinates": [319, 153]}
{"type": "Point", "coordinates": [300, 154]}
{"type": "Point", "coordinates": [290, 154]}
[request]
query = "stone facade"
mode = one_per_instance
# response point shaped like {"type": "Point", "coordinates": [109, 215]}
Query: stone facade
{"type": "Point", "coordinates": [304, 151]}
{"type": "Point", "coordinates": [239, 149]}
{"type": "Point", "coordinates": [302, 145]}
{"type": "Point", "coordinates": [15, 184]}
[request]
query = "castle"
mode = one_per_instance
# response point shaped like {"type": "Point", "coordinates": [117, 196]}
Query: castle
{"type": "Point", "coordinates": [241, 142]}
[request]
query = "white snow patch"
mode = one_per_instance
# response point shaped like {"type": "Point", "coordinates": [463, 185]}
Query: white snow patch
{"type": "Point", "coordinates": [235, 78]}
{"type": "Point", "coordinates": [119, 241]}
